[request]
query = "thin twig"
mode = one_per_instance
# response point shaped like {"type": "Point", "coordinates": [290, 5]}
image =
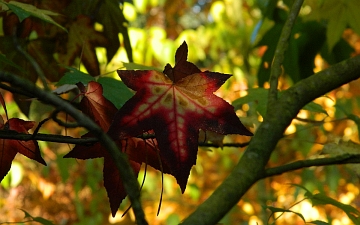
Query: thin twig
{"type": "Point", "coordinates": [14, 135]}
{"type": "Point", "coordinates": [11, 134]}
{"type": "Point", "coordinates": [300, 164]}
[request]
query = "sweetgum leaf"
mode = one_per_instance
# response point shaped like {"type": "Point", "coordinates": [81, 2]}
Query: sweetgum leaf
{"type": "Point", "coordinates": [182, 67]}
{"type": "Point", "coordinates": [74, 76]}
{"type": "Point", "coordinates": [115, 91]}
{"type": "Point", "coordinates": [102, 111]}
{"type": "Point", "coordinates": [176, 106]}
{"type": "Point", "coordinates": [96, 106]}
{"type": "Point", "coordinates": [9, 148]}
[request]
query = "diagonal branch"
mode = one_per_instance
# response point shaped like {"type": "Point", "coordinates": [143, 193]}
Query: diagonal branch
{"type": "Point", "coordinates": [276, 67]}
{"type": "Point", "coordinates": [130, 182]}
{"type": "Point", "coordinates": [280, 113]}
{"type": "Point", "coordinates": [251, 166]}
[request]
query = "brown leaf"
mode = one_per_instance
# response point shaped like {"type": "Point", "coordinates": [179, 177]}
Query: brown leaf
{"type": "Point", "coordinates": [9, 148]}
{"type": "Point", "coordinates": [82, 40]}
{"type": "Point", "coordinates": [102, 111]}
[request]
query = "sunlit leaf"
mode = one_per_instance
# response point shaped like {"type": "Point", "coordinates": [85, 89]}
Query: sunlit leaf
{"type": "Point", "coordinates": [322, 199]}
{"type": "Point", "coordinates": [175, 106]}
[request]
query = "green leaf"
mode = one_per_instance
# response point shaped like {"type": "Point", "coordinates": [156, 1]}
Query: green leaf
{"type": "Point", "coordinates": [43, 221]}
{"type": "Point", "coordinates": [275, 210]}
{"type": "Point", "coordinates": [350, 116]}
{"type": "Point", "coordinates": [7, 61]}
{"type": "Point", "coordinates": [115, 91]}
{"type": "Point", "coordinates": [321, 199]}
{"type": "Point", "coordinates": [354, 15]}
{"type": "Point", "coordinates": [3, 6]}
{"type": "Point", "coordinates": [112, 18]}
{"type": "Point", "coordinates": [351, 212]}
{"type": "Point", "coordinates": [22, 14]}
{"type": "Point", "coordinates": [27, 215]}
{"type": "Point", "coordinates": [37, 219]}
{"type": "Point", "coordinates": [23, 11]}
{"type": "Point", "coordinates": [135, 66]}
{"type": "Point", "coordinates": [74, 76]}
{"type": "Point", "coordinates": [314, 107]}
{"type": "Point", "coordinates": [259, 96]}
{"type": "Point", "coordinates": [319, 222]}
{"type": "Point", "coordinates": [270, 40]}
{"type": "Point", "coordinates": [341, 51]}
{"type": "Point", "coordinates": [336, 27]}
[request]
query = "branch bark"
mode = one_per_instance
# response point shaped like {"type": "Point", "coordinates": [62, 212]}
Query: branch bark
{"type": "Point", "coordinates": [251, 166]}
{"type": "Point", "coordinates": [281, 48]}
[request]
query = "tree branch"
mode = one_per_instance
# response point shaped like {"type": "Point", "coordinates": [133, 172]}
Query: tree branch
{"type": "Point", "coordinates": [276, 68]}
{"type": "Point", "coordinates": [341, 159]}
{"type": "Point", "coordinates": [280, 113]}
{"type": "Point", "coordinates": [120, 159]}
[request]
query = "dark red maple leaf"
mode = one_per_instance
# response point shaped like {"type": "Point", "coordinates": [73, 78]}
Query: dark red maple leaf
{"type": "Point", "coordinates": [176, 106]}
{"type": "Point", "coordinates": [102, 111]}
{"type": "Point", "coordinates": [9, 148]}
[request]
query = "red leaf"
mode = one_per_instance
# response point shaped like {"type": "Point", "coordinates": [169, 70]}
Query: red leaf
{"type": "Point", "coordinates": [113, 183]}
{"type": "Point", "coordinates": [176, 108]}
{"type": "Point", "coordinates": [96, 106]}
{"type": "Point", "coordinates": [102, 111]}
{"type": "Point", "coordinates": [182, 67]}
{"type": "Point", "coordinates": [9, 148]}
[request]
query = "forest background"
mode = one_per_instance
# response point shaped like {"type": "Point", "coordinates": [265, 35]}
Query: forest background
{"type": "Point", "coordinates": [230, 36]}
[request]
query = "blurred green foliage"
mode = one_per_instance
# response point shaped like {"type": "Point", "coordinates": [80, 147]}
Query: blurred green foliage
{"type": "Point", "coordinates": [229, 36]}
